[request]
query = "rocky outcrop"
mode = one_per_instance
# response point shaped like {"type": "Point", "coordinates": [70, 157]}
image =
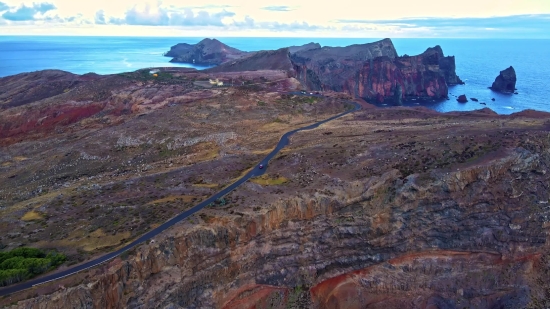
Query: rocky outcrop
{"type": "Point", "coordinates": [206, 52]}
{"type": "Point", "coordinates": [305, 47]}
{"type": "Point", "coordinates": [332, 67]}
{"type": "Point", "coordinates": [505, 81]}
{"type": "Point", "coordinates": [374, 72]}
{"type": "Point", "coordinates": [462, 98]}
{"type": "Point", "coordinates": [417, 76]}
{"type": "Point", "coordinates": [448, 68]}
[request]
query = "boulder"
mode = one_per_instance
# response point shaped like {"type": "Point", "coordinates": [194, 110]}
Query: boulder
{"type": "Point", "coordinates": [462, 98]}
{"type": "Point", "coordinates": [474, 99]}
{"type": "Point", "coordinates": [505, 81]}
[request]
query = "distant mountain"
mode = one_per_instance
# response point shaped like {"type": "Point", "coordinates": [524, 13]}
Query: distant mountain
{"type": "Point", "coordinates": [214, 52]}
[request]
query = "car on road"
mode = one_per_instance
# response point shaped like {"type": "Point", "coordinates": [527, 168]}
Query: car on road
{"type": "Point", "coordinates": [261, 166]}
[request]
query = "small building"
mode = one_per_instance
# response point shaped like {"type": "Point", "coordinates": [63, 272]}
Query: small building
{"type": "Point", "coordinates": [155, 71]}
{"type": "Point", "coordinates": [216, 82]}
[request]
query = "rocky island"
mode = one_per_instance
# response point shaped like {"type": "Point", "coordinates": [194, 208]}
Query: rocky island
{"type": "Point", "coordinates": [505, 81]}
{"type": "Point", "coordinates": [382, 208]}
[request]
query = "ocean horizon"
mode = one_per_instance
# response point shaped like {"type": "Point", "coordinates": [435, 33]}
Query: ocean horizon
{"type": "Point", "coordinates": [478, 61]}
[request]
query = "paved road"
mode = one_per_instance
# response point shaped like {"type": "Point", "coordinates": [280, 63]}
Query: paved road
{"type": "Point", "coordinates": [154, 232]}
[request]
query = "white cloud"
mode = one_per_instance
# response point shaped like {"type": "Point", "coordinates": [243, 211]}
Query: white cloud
{"type": "Point", "coordinates": [367, 18]}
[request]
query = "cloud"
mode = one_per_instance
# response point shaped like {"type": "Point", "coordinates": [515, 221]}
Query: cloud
{"type": "Point", "coordinates": [151, 15]}
{"type": "Point", "coordinates": [147, 15]}
{"type": "Point", "coordinates": [100, 17]}
{"type": "Point", "coordinates": [482, 22]}
{"type": "Point", "coordinates": [250, 23]}
{"type": "Point", "coordinates": [278, 8]}
{"type": "Point", "coordinates": [26, 13]}
{"type": "Point", "coordinates": [201, 18]}
{"type": "Point", "coordinates": [3, 6]}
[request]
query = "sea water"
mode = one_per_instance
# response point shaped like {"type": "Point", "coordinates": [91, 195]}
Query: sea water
{"type": "Point", "coordinates": [478, 61]}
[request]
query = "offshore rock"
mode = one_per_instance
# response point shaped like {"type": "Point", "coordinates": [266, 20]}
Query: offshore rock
{"type": "Point", "coordinates": [505, 81]}
{"type": "Point", "coordinates": [462, 98]}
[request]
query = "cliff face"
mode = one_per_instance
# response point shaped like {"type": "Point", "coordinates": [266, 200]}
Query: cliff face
{"type": "Point", "coordinates": [379, 75]}
{"type": "Point", "coordinates": [472, 235]}
{"type": "Point", "coordinates": [331, 67]}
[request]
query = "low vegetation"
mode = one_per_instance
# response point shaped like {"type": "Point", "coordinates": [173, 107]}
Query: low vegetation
{"type": "Point", "coordinates": [24, 263]}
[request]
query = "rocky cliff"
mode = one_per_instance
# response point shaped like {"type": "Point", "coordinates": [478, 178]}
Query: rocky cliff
{"type": "Point", "coordinates": [332, 67]}
{"type": "Point", "coordinates": [379, 75]}
{"type": "Point", "coordinates": [427, 212]}
{"type": "Point", "coordinates": [505, 81]}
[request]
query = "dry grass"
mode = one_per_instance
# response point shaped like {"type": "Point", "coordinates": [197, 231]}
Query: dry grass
{"type": "Point", "coordinates": [175, 198]}
{"type": "Point", "coordinates": [206, 185]}
{"type": "Point", "coordinates": [267, 180]}
{"type": "Point", "coordinates": [89, 242]}
{"type": "Point", "coordinates": [32, 215]}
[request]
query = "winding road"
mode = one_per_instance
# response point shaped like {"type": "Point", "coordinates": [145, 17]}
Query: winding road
{"type": "Point", "coordinates": [256, 171]}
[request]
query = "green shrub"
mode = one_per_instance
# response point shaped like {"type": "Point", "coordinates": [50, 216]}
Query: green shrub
{"type": "Point", "coordinates": [24, 263]}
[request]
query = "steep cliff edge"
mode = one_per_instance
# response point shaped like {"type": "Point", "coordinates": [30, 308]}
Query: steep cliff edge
{"type": "Point", "coordinates": [330, 67]}
{"type": "Point", "coordinates": [380, 75]}
{"type": "Point", "coordinates": [422, 212]}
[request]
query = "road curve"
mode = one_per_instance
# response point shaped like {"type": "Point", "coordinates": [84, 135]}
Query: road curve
{"type": "Point", "coordinates": [154, 232]}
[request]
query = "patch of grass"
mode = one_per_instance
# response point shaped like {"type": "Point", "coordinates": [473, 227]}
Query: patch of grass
{"type": "Point", "coordinates": [174, 198]}
{"type": "Point", "coordinates": [32, 216]}
{"type": "Point", "coordinates": [205, 185]}
{"type": "Point", "coordinates": [98, 239]}
{"type": "Point", "coordinates": [267, 180]}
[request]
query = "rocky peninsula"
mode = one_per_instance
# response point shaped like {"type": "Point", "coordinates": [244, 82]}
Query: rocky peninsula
{"type": "Point", "coordinates": [372, 71]}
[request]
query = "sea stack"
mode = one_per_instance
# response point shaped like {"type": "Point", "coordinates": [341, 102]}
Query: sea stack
{"type": "Point", "coordinates": [505, 81]}
{"type": "Point", "coordinates": [462, 98]}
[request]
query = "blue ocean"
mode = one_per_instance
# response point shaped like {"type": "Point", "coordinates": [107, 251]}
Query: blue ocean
{"type": "Point", "coordinates": [478, 61]}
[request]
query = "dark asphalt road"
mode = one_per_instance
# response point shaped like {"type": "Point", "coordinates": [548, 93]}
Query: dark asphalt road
{"type": "Point", "coordinates": [254, 172]}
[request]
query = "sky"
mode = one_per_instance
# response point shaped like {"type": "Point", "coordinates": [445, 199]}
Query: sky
{"type": "Point", "coordinates": [282, 18]}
